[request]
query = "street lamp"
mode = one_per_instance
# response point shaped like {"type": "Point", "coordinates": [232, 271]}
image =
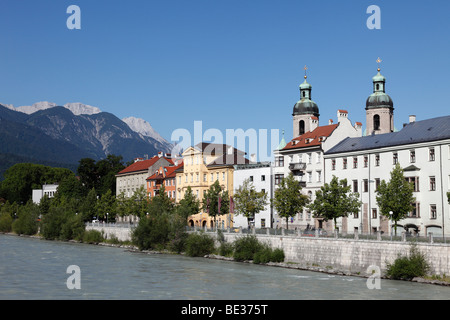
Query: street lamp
{"type": "Point", "coordinates": [390, 214]}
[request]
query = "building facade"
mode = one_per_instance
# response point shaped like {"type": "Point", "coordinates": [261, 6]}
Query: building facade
{"type": "Point", "coordinates": [260, 175]}
{"type": "Point", "coordinates": [164, 176]}
{"type": "Point", "coordinates": [204, 164]}
{"type": "Point", "coordinates": [133, 177]}
{"type": "Point", "coordinates": [48, 190]}
{"type": "Point", "coordinates": [422, 148]}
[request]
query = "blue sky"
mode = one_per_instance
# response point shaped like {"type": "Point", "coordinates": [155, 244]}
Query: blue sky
{"type": "Point", "coordinates": [231, 64]}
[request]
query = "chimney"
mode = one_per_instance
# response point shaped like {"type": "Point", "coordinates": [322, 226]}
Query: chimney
{"type": "Point", "coordinates": [342, 114]}
{"type": "Point", "coordinates": [313, 123]}
{"type": "Point", "coordinates": [230, 150]}
{"type": "Point", "coordinates": [412, 118]}
{"type": "Point", "coordinates": [253, 158]}
{"type": "Point", "coordinates": [160, 154]}
{"type": "Point", "coordinates": [330, 121]}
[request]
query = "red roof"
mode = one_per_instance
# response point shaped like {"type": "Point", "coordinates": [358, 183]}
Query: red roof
{"type": "Point", "coordinates": [170, 172]}
{"type": "Point", "coordinates": [143, 165]}
{"type": "Point", "coordinates": [311, 138]}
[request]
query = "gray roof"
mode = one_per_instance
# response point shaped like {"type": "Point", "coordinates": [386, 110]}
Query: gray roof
{"type": "Point", "coordinates": [414, 132]}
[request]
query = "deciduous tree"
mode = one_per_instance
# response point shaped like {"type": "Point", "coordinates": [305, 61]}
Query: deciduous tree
{"type": "Point", "coordinates": [288, 199]}
{"type": "Point", "coordinates": [396, 195]}
{"type": "Point", "coordinates": [334, 200]}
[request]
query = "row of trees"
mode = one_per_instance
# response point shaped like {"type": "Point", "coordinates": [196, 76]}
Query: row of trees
{"type": "Point", "coordinates": [334, 200]}
{"type": "Point", "coordinates": [22, 178]}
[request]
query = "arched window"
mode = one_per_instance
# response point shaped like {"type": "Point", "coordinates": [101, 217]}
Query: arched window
{"type": "Point", "coordinates": [376, 122]}
{"type": "Point", "coordinates": [301, 127]}
{"type": "Point", "coordinates": [378, 86]}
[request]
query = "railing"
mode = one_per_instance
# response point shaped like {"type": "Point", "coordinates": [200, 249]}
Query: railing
{"type": "Point", "coordinates": [112, 224]}
{"type": "Point", "coordinates": [404, 237]}
{"type": "Point", "coordinates": [317, 233]}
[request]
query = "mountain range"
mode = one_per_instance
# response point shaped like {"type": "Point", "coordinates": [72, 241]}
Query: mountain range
{"type": "Point", "coordinates": [49, 134]}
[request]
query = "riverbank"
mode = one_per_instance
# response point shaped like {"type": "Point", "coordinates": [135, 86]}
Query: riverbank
{"type": "Point", "coordinates": [288, 264]}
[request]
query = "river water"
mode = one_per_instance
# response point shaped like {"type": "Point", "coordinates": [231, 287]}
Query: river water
{"type": "Point", "coordinates": [37, 269]}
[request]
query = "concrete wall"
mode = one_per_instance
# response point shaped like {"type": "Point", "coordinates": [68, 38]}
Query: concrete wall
{"type": "Point", "coordinates": [123, 234]}
{"type": "Point", "coordinates": [351, 256]}
{"type": "Point", "coordinates": [335, 255]}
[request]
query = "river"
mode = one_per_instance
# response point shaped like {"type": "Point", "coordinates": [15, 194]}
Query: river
{"type": "Point", "coordinates": [32, 268]}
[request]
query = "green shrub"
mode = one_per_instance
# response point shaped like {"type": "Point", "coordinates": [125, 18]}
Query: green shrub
{"type": "Point", "coordinates": [152, 232]}
{"type": "Point", "coordinates": [92, 237]}
{"type": "Point", "coordinates": [263, 256]}
{"type": "Point", "coordinates": [246, 247]}
{"type": "Point", "coordinates": [27, 221]}
{"type": "Point", "coordinates": [199, 245]}
{"type": "Point", "coordinates": [5, 222]}
{"type": "Point", "coordinates": [408, 267]}
{"type": "Point", "coordinates": [277, 255]}
{"type": "Point", "coordinates": [226, 249]}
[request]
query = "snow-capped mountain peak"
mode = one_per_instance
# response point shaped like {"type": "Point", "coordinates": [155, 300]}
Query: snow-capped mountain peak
{"type": "Point", "coordinates": [78, 108]}
{"type": "Point", "coordinates": [143, 127]}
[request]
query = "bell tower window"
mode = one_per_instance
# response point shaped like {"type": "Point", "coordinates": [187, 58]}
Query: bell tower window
{"type": "Point", "coordinates": [301, 127]}
{"type": "Point", "coordinates": [376, 122]}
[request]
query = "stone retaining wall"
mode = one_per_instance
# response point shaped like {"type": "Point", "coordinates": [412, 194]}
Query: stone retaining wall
{"type": "Point", "coordinates": [347, 256]}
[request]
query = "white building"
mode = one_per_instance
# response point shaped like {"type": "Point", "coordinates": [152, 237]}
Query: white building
{"type": "Point", "coordinates": [48, 190]}
{"type": "Point", "coordinates": [260, 175]}
{"type": "Point", "coordinates": [303, 155]}
{"type": "Point", "coordinates": [422, 149]}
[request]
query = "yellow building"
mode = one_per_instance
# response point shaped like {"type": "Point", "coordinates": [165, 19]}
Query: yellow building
{"type": "Point", "coordinates": [204, 164]}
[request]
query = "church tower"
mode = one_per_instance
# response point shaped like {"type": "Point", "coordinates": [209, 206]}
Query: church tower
{"type": "Point", "coordinates": [306, 112]}
{"type": "Point", "coordinates": [379, 107]}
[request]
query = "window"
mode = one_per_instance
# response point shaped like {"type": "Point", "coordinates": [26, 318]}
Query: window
{"type": "Point", "coordinates": [319, 176]}
{"type": "Point", "coordinates": [395, 158]}
{"type": "Point", "coordinates": [251, 178]}
{"type": "Point", "coordinates": [432, 184]}
{"type": "Point", "coordinates": [279, 161]}
{"type": "Point", "coordinates": [318, 157]}
{"type": "Point", "coordinates": [415, 182]}
{"type": "Point", "coordinates": [366, 161]}
{"type": "Point", "coordinates": [376, 122]}
{"type": "Point", "coordinates": [309, 176]}
{"type": "Point", "coordinates": [205, 177]}
{"type": "Point", "coordinates": [344, 163]}
{"type": "Point", "coordinates": [412, 156]}
{"type": "Point", "coordinates": [263, 178]}
{"type": "Point", "coordinates": [223, 176]}
{"type": "Point", "coordinates": [377, 160]}
{"type": "Point", "coordinates": [301, 124]}
{"type": "Point", "coordinates": [355, 185]}
{"type": "Point", "coordinates": [366, 185]}
{"type": "Point", "coordinates": [415, 213]}
{"type": "Point", "coordinates": [333, 164]}
{"type": "Point", "coordinates": [309, 158]}
{"type": "Point", "coordinates": [355, 162]}
{"type": "Point", "coordinates": [374, 213]}
{"type": "Point", "coordinates": [278, 178]}
{"type": "Point", "coordinates": [431, 154]}
{"type": "Point", "coordinates": [432, 211]}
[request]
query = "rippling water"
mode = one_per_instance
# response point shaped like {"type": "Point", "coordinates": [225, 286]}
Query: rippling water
{"type": "Point", "coordinates": [37, 269]}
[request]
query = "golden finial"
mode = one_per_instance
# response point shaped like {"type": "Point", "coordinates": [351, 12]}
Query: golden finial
{"type": "Point", "coordinates": [305, 68]}
{"type": "Point", "coordinates": [379, 61]}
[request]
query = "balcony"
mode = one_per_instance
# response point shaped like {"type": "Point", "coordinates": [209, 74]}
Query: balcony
{"type": "Point", "coordinates": [297, 168]}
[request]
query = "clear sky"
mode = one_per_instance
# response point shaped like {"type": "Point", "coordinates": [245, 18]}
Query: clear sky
{"type": "Point", "coordinates": [231, 64]}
